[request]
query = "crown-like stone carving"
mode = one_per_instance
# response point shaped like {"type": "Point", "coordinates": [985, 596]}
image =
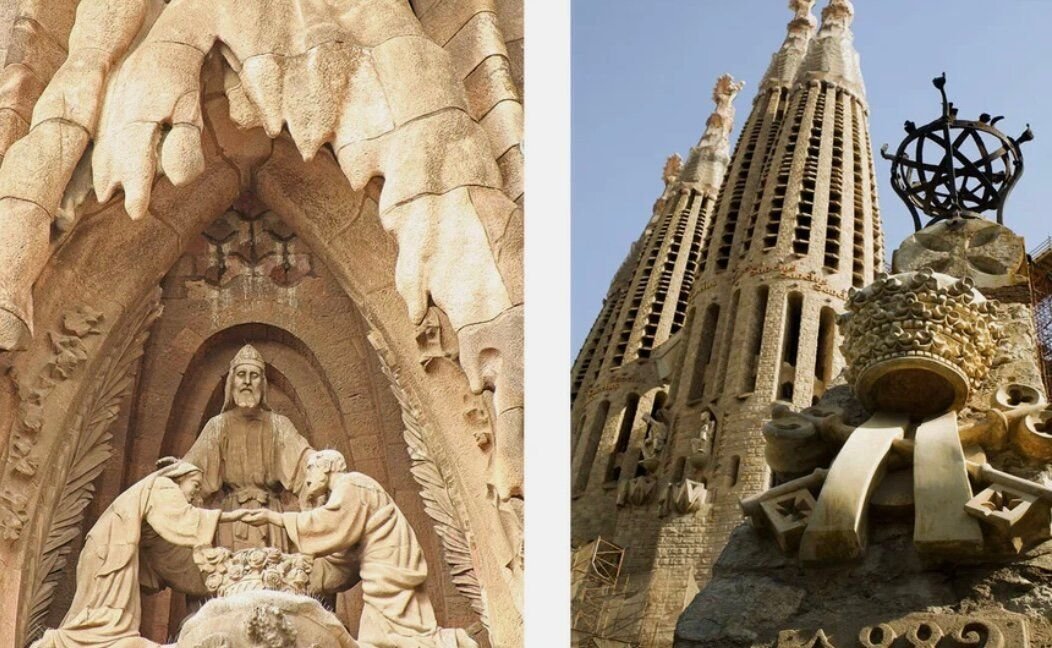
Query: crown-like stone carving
{"type": "Point", "coordinates": [248, 356]}
{"type": "Point", "coordinates": [918, 342]}
{"type": "Point", "coordinates": [227, 573]}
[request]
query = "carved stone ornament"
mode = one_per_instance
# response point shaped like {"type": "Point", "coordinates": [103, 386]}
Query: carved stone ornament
{"type": "Point", "coordinates": [654, 441]}
{"type": "Point", "coordinates": [87, 455]}
{"type": "Point", "coordinates": [440, 497]}
{"type": "Point", "coordinates": [921, 630]}
{"type": "Point", "coordinates": [248, 570]}
{"type": "Point", "coordinates": [918, 342]}
{"type": "Point", "coordinates": [988, 253]}
{"type": "Point", "coordinates": [264, 619]}
{"type": "Point", "coordinates": [636, 491]}
{"type": "Point", "coordinates": [684, 497]}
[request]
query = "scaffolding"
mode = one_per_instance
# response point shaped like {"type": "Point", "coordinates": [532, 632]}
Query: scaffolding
{"type": "Point", "coordinates": [597, 582]}
{"type": "Point", "coordinates": [1041, 291]}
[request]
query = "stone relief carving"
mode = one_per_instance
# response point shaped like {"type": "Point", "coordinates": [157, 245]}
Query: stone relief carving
{"type": "Point", "coordinates": [236, 474]}
{"type": "Point", "coordinates": [226, 572]}
{"type": "Point", "coordinates": [265, 619]}
{"type": "Point", "coordinates": [152, 55]}
{"type": "Point", "coordinates": [268, 626]}
{"type": "Point", "coordinates": [91, 451]}
{"type": "Point", "coordinates": [654, 439]}
{"type": "Point", "coordinates": [986, 252]}
{"type": "Point", "coordinates": [440, 498]}
{"type": "Point", "coordinates": [343, 512]}
{"type": "Point", "coordinates": [430, 340]}
{"type": "Point", "coordinates": [69, 352]}
{"type": "Point", "coordinates": [922, 630]}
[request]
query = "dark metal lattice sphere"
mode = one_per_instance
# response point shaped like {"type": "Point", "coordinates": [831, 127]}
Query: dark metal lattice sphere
{"type": "Point", "coordinates": [955, 168]}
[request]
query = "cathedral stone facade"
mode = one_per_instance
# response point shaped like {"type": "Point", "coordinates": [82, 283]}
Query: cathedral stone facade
{"type": "Point", "coordinates": [783, 445]}
{"type": "Point", "coordinates": [261, 323]}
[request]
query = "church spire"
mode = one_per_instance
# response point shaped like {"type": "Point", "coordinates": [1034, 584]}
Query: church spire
{"type": "Point", "coordinates": [708, 160]}
{"type": "Point", "coordinates": [785, 62]}
{"type": "Point", "coordinates": [832, 57]}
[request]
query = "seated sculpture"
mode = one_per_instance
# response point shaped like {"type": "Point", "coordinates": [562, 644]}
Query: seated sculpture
{"type": "Point", "coordinates": [355, 520]}
{"type": "Point", "coordinates": [106, 609]}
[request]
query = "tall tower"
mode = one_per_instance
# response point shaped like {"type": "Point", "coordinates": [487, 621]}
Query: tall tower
{"type": "Point", "coordinates": [788, 249]}
{"type": "Point", "coordinates": [667, 422]}
{"type": "Point", "coordinates": [647, 301]}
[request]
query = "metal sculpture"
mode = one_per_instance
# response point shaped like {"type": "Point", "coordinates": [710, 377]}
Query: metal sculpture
{"type": "Point", "coordinates": [977, 168]}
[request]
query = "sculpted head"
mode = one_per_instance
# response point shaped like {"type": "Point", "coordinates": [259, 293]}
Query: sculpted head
{"type": "Point", "coordinates": [246, 384]}
{"type": "Point", "coordinates": [187, 476]}
{"type": "Point", "coordinates": [320, 467]}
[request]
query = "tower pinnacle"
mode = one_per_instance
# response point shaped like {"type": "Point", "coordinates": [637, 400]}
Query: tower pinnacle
{"type": "Point", "coordinates": [786, 60]}
{"type": "Point", "coordinates": [708, 160]}
{"type": "Point", "coordinates": [838, 12]}
{"type": "Point", "coordinates": [831, 57]}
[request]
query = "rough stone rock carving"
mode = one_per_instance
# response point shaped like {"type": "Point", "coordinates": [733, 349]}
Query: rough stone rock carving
{"type": "Point", "coordinates": [400, 117]}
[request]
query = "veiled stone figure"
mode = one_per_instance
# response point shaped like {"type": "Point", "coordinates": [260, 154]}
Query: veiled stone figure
{"type": "Point", "coordinates": [250, 455]}
{"type": "Point", "coordinates": [355, 520]}
{"type": "Point", "coordinates": [106, 609]}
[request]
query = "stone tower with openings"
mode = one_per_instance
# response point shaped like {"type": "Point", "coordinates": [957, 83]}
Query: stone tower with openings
{"type": "Point", "coordinates": [667, 422]}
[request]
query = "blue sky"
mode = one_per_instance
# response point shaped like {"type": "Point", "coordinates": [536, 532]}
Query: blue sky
{"type": "Point", "coordinates": [643, 73]}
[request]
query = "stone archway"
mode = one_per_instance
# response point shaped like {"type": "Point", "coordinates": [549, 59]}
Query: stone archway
{"type": "Point", "coordinates": [439, 340]}
{"type": "Point", "coordinates": [76, 280]}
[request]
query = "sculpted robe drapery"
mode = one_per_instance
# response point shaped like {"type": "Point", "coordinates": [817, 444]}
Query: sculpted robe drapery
{"type": "Point", "coordinates": [249, 461]}
{"type": "Point", "coordinates": [106, 609]}
{"type": "Point", "coordinates": [360, 522]}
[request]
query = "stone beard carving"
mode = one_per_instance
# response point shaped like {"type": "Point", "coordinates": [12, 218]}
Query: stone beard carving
{"type": "Point", "coordinates": [354, 520]}
{"type": "Point", "coordinates": [155, 517]}
{"type": "Point", "coordinates": [249, 454]}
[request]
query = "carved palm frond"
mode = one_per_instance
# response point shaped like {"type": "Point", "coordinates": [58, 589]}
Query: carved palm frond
{"type": "Point", "coordinates": [436, 491]}
{"type": "Point", "coordinates": [91, 449]}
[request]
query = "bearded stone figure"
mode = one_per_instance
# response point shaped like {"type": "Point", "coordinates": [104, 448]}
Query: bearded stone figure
{"type": "Point", "coordinates": [250, 456]}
